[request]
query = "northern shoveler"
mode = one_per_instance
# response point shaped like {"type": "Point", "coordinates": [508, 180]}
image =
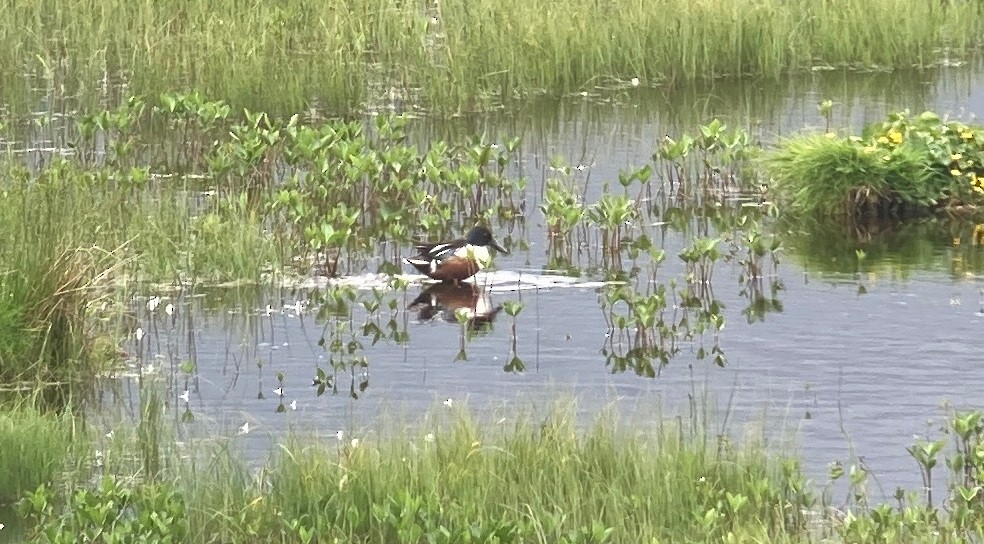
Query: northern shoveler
{"type": "Point", "coordinates": [456, 260]}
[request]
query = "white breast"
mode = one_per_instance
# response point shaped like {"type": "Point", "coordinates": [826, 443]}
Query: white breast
{"type": "Point", "coordinates": [480, 254]}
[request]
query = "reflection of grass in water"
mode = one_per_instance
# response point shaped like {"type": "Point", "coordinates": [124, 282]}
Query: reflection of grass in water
{"type": "Point", "coordinates": [466, 52]}
{"type": "Point", "coordinates": [896, 249]}
{"type": "Point", "coordinates": [525, 478]}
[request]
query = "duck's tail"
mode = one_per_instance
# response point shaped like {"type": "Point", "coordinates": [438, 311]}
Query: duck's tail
{"type": "Point", "coordinates": [424, 266]}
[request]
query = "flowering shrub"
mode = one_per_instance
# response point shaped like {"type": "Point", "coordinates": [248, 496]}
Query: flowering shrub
{"type": "Point", "coordinates": [955, 151]}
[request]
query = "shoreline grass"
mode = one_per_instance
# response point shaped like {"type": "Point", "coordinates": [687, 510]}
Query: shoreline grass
{"type": "Point", "coordinates": [460, 55]}
{"type": "Point", "coordinates": [533, 476]}
{"type": "Point", "coordinates": [446, 478]}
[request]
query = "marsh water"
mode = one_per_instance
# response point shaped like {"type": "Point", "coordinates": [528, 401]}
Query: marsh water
{"type": "Point", "coordinates": [835, 358]}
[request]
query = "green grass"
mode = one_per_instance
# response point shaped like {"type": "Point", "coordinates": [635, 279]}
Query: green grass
{"type": "Point", "coordinates": [451, 478]}
{"type": "Point", "coordinates": [459, 54]}
{"type": "Point", "coordinates": [837, 176]}
{"type": "Point", "coordinates": [529, 476]}
{"type": "Point", "coordinates": [35, 448]}
{"type": "Point", "coordinates": [76, 235]}
{"type": "Point", "coordinates": [907, 165]}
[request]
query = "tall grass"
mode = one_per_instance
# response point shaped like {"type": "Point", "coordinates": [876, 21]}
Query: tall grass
{"type": "Point", "coordinates": [35, 448]}
{"type": "Point", "coordinates": [538, 478]}
{"type": "Point", "coordinates": [72, 232]}
{"type": "Point", "coordinates": [280, 56]}
{"type": "Point", "coordinates": [49, 275]}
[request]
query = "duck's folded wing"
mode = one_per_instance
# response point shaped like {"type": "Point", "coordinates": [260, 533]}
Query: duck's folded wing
{"type": "Point", "coordinates": [440, 252]}
{"type": "Point", "coordinates": [437, 251]}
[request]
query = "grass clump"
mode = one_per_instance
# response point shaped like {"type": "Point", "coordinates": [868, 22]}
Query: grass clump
{"type": "Point", "coordinates": [73, 232]}
{"type": "Point", "coordinates": [904, 166]}
{"type": "Point", "coordinates": [35, 448]}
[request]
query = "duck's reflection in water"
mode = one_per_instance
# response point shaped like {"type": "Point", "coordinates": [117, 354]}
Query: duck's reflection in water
{"type": "Point", "coordinates": [455, 304]}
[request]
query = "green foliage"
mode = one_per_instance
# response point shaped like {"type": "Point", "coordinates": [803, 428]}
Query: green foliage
{"type": "Point", "coordinates": [842, 176]}
{"type": "Point", "coordinates": [562, 207]}
{"type": "Point", "coordinates": [955, 151]}
{"type": "Point", "coordinates": [901, 166]}
{"type": "Point", "coordinates": [112, 511]}
{"type": "Point", "coordinates": [706, 165]}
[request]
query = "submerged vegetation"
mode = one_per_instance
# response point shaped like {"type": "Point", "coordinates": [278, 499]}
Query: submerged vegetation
{"type": "Point", "coordinates": [460, 54]}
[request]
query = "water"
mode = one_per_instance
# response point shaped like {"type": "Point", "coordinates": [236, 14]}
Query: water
{"type": "Point", "coordinates": [849, 360]}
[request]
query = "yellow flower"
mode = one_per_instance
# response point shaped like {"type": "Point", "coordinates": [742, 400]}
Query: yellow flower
{"type": "Point", "coordinates": [967, 134]}
{"type": "Point", "coordinates": [869, 149]}
{"type": "Point", "coordinates": [955, 172]}
{"type": "Point", "coordinates": [883, 140]}
{"type": "Point", "coordinates": [895, 136]}
{"type": "Point", "coordinates": [956, 157]}
{"type": "Point", "coordinates": [979, 189]}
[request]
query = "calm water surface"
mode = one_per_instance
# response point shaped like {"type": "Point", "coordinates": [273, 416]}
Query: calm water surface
{"type": "Point", "coordinates": [849, 361]}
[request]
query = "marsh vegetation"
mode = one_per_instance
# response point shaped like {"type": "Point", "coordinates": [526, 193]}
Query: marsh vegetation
{"type": "Point", "coordinates": [132, 212]}
{"type": "Point", "coordinates": [245, 198]}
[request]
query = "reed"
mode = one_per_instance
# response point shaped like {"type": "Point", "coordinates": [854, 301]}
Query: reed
{"type": "Point", "coordinates": [47, 283]}
{"type": "Point", "coordinates": [459, 54]}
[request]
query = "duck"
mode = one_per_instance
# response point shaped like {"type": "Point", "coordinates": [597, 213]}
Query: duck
{"type": "Point", "coordinates": [456, 260]}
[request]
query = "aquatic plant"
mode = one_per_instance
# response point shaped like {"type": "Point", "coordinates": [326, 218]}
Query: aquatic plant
{"type": "Point", "coordinates": [515, 364]}
{"type": "Point", "coordinates": [707, 166]}
{"type": "Point", "coordinates": [954, 149]}
{"type": "Point", "coordinates": [561, 207]}
{"type": "Point", "coordinates": [906, 165]}
{"type": "Point", "coordinates": [838, 176]}
{"type": "Point", "coordinates": [613, 214]}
